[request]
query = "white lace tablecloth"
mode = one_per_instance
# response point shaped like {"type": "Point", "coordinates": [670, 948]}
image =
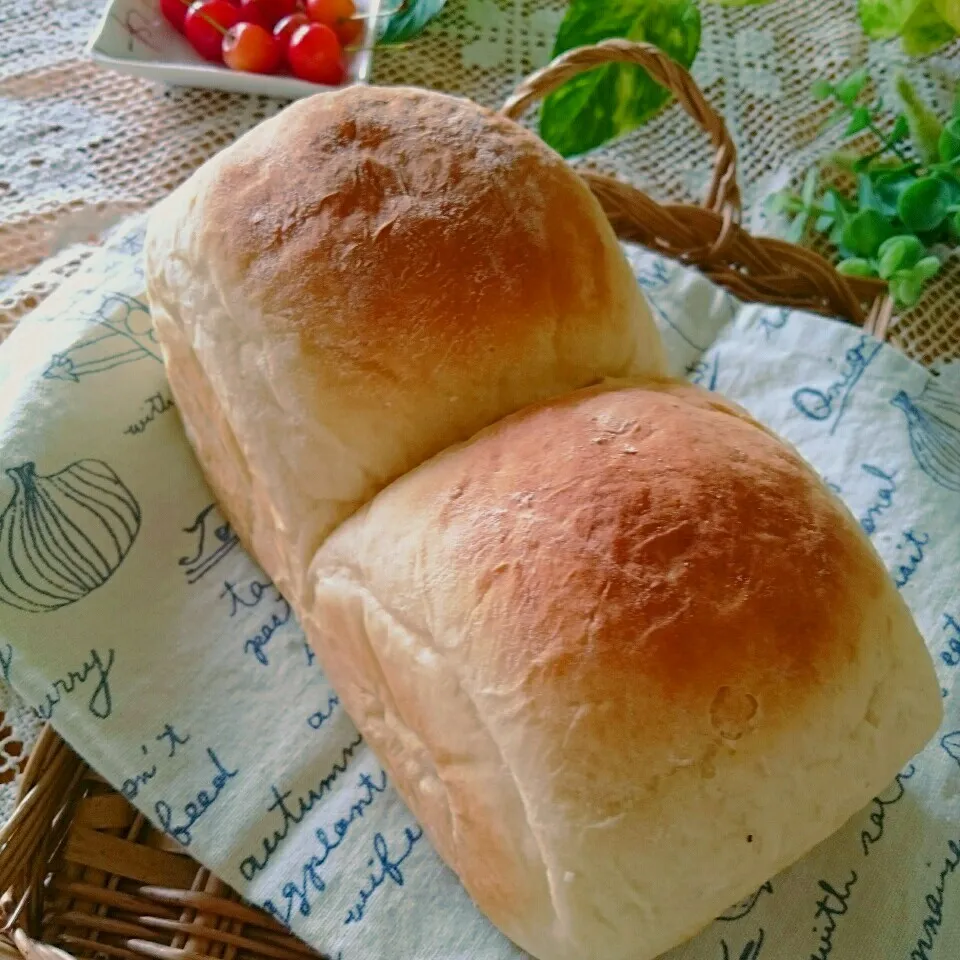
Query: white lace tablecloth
{"type": "Point", "coordinates": [80, 147]}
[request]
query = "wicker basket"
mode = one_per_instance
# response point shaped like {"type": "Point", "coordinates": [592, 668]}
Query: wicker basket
{"type": "Point", "coordinates": [85, 873]}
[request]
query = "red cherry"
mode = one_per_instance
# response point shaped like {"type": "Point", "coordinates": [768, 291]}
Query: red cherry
{"type": "Point", "coordinates": [250, 47]}
{"type": "Point", "coordinates": [285, 29]}
{"type": "Point", "coordinates": [314, 54]}
{"type": "Point", "coordinates": [254, 11]}
{"type": "Point", "coordinates": [206, 23]}
{"type": "Point", "coordinates": [175, 11]}
{"type": "Point", "coordinates": [266, 12]}
{"type": "Point", "coordinates": [339, 15]}
{"type": "Point", "coordinates": [282, 8]}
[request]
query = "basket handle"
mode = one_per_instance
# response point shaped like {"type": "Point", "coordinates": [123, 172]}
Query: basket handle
{"type": "Point", "coordinates": [723, 195]}
{"type": "Point", "coordinates": [710, 236]}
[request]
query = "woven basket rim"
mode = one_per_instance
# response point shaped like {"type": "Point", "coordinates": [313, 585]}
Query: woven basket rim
{"type": "Point", "coordinates": [709, 236]}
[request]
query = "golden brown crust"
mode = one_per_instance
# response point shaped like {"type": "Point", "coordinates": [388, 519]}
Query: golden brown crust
{"type": "Point", "coordinates": [417, 212]}
{"type": "Point", "coordinates": [371, 276]}
{"type": "Point", "coordinates": [636, 632]}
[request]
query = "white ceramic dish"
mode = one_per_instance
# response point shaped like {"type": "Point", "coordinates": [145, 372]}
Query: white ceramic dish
{"type": "Point", "coordinates": [133, 37]}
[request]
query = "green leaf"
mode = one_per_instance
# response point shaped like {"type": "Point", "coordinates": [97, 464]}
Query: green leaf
{"type": "Point", "coordinates": [898, 253]}
{"type": "Point", "coordinates": [905, 289]}
{"type": "Point", "coordinates": [808, 195]}
{"type": "Point", "coordinates": [797, 229]}
{"type": "Point", "coordinates": [842, 160]}
{"type": "Point", "coordinates": [883, 19]}
{"type": "Point", "coordinates": [865, 163]}
{"type": "Point", "coordinates": [594, 107]}
{"type": "Point", "coordinates": [821, 90]}
{"type": "Point", "coordinates": [927, 268]}
{"type": "Point", "coordinates": [901, 129]}
{"type": "Point", "coordinates": [839, 208]}
{"type": "Point", "coordinates": [924, 205]}
{"type": "Point", "coordinates": [955, 227]}
{"type": "Point", "coordinates": [866, 196]}
{"type": "Point", "coordinates": [859, 120]}
{"type": "Point", "coordinates": [824, 222]}
{"type": "Point", "coordinates": [856, 267]}
{"type": "Point", "coordinates": [925, 127]}
{"type": "Point", "coordinates": [410, 19]}
{"type": "Point", "coordinates": [925, 31]}
{"type": "Point", "coordinates": [949, 10]}
{"type": "Point", "coordinates": [864, 232]}
{"type": "Point", "coordinates": [889, 186]}
{"type": "Point", "coordinates": [952, 186]}
{"type": "Point", "coordinates": [850, 87]}
{"type": "Point", "coordinates": [809, 192]}
{"type": "Point", "coordinates": [948, 146]}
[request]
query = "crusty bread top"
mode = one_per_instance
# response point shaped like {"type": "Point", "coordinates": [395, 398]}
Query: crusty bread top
{"type": "Point", "coordinates": [622, 653]}
{"type": "Point", "coordinates": [369, 277]}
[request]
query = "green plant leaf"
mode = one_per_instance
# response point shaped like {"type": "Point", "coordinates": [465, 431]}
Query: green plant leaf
{"type": "Point", "coordinates": [883, 19]}
{"type": "Point", "coordinates": [821, 90]}
{"type": "Point", "coordinates": [898, 253]}
{"type": "Point", "coordinates": [949, 10]}
{"type": "Point", "coordinates": [866, 196]}
{"type": "Point", "coordinates": [948, 145]}
{"type": "Point", "coordinates": [864, 232]}
{"type": "Point", "coordinates": [924, 205]}
{"type": "Point", "coordinates": [594, 107]}
{"type": "Point", "coordinates": [410, 19]}
{"type": "Point", "coordinates": [838, 208]}
{"type": "Point", "coordinates": [859, 120]}
{"type": "Point", "coordinates": [856, 267]}
{"type": "Point", "coordinates": [888, 187]}
{"type": "Point", "coordinates": [901, 129]}
{"type": "Point", "coordinates": [905, 288]}
{"type": "Point", "coordinates": [850, 87]}
{"type": "Point", "coordinates": [925, 31]}
{"type": "Point", "coordinates": [925, 127]}
{"type": "Point", "coordinates": [952, 186]}
{"type": "Point", "coordinates": [927, 268]}
{"type": "Point", "coordinates": [808, 196]}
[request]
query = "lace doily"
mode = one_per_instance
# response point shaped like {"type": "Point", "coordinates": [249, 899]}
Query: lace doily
{"type": "Point", "coordinates": [81, 147]}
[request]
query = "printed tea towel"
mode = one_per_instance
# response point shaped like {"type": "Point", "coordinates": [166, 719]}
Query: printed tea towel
{"type": "Point", "coordinates": [132, 619]}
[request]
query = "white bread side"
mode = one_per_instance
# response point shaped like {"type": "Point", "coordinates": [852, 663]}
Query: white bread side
{"type": "Point", "coordinates": [625, 657]}
{"type": "Point", "coordinates": [365, 279]}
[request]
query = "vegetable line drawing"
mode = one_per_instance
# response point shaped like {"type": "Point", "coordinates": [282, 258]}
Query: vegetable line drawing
{"type": "Point", "coordinates": [933, 424]}
{"type": "Point", "coordinates": [213, 542]}
{"type": "Point", "coordinates": [64, 534]}
{"type": "Point", "coordinates": [124, 334]}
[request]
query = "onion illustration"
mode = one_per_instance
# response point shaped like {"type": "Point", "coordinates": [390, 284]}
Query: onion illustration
{"type": "Point", "coordinates": [933, 421]}
{"type": "Point", "coordinates": [63, 535]}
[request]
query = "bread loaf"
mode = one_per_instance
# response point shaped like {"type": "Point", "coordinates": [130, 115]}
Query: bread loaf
{"type": "Point", "coordinates": [625, 657]}
{"type": "Point", "coordinates": [621, 651]}
{"type": "Point", "coordinates": [365, 279]}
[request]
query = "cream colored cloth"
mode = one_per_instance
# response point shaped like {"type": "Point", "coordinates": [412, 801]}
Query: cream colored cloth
{"type": "Point", "coordinates": [131, 618]}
